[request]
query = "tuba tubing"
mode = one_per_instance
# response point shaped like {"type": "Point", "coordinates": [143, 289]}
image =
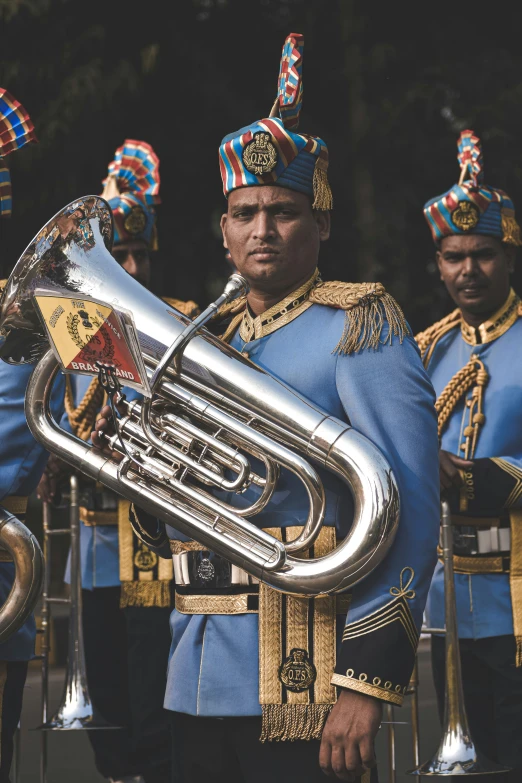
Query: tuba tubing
{"type": "Point", "coordinates": [29, 567]}
{"type": "Point", "coordinates": [210, 383]}
{"type": "Point", "coordinates": [351, 455]}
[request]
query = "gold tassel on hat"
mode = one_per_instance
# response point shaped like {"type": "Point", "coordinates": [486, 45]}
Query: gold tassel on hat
{"type": "Point", "coordinates": [510, 227]}
{"type": "Point", "coordinates": [323, 198]}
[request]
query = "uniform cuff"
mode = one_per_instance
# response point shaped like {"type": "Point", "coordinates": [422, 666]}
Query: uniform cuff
{"type": "Point", "coordinates": [387, 693]}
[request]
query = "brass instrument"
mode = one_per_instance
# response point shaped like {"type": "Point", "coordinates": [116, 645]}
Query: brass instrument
{"type": "Point", "coordinates": [75, 710]}
{"type": "Point", "coordinates": [212, 411]}
{"type": "Point", "coordinates": [457, 753]}
{"type": "Point", "coordinates": [29, 569]}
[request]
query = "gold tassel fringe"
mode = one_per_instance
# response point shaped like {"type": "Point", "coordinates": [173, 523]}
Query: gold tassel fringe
{"type": "Point", "coordinates": [510, 228]}
{"type": "Point", "coordinates": [288, 722]}
{"type": "Point", "coordinates": [323, 198]}
{"type": "Point", "coordinates": [145, 593]}
{"type": "Point", "coordinates": [364, 324]}
{"type": "Point", "coordinates": [518, 662]}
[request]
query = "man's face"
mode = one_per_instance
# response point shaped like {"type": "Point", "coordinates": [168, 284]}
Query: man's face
{"type": "Point", "coordinates": [475, 269]}
{"type": "Point", "coordinates": [273, 235]}
{"type": "Point", "coordinates": [134, 257]}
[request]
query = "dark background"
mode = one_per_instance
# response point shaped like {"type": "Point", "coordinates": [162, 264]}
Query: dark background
{"type": "Point", "coordinates": [389, 86]}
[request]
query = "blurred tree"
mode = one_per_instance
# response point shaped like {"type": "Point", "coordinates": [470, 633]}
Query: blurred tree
{"type": "Point", "coordinates": [388, 87]}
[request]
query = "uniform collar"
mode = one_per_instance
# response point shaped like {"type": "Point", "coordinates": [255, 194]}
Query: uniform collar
{"type": "Point", "coordinates": [253, 327]}
{"type": "Point", "coordinates": [495, 327]}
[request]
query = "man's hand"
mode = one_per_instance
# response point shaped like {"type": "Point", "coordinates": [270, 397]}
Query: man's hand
{"type": "Point", "coordinates": [450, 465]}
{"type": "Point", "coordinates": [347, 745]}
{"type": "Point", "coordinates": [105, 427]}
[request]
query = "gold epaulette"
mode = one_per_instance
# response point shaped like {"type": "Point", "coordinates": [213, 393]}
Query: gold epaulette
{"type": "Point", "coordinates": [430, 336]}
{"type": "Point", "coordinates": [189, 308]}
{"type": "Point", "coordinates": [368, 306]}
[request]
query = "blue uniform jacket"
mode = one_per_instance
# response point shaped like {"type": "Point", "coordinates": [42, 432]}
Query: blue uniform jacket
{"type": "Point", "coordinates": [387, 396]}
{"type": "Point", "coordinates": [99, 545]}
{"type": "Point", "coordinates": [22, 461]}
{"type": "Point", "coordinates": [483, 600]}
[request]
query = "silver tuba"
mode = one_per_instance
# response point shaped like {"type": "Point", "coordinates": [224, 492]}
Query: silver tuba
{"type": "Point", "coordinates": [212, 412]}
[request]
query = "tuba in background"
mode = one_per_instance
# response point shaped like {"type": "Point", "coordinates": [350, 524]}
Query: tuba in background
{"type": "Point", "coordinates": [212, 412]}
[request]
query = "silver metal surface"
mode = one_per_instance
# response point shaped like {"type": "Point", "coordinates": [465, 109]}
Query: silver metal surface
{"type": "Point", "coordinates": [457, 754]}
{"type": "Point", "coordinates": [29, 568]}
{"type": "Point", "coordinates": [171, 471]}
{"type": "Point", "coordinates": [75, 710]}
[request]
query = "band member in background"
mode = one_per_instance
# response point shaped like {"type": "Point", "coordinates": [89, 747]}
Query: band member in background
{"type": "Point", "coordinates": [473, 358]}
{"type": "Point", "coordinates": [235, 711]}
{"type": "Point", "coordinates": [126, 588]}
{"type": "Point", "coordinates": [22, 459]}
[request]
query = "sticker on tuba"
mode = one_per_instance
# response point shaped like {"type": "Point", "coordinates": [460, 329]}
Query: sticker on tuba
{"type": "Point", "coordinates": [84, 332]}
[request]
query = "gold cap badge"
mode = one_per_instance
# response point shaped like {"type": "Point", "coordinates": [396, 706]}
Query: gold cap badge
{"type": "Point", "coordinates": [136, 221]}
{"type": "Point", "coordinates": [465, 216]}
{"type": "Point", "coordinates": [260, 155]}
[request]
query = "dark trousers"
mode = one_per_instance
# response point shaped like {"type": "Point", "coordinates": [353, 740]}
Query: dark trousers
{"type": "Point", "coordinates": [126, 655]}
{"type": "Point", "coordinates": [11, 711]}
{"type": "Point", "coordinates": [493, 699]}
{"type": "Point", "coordinates": [214, 750]}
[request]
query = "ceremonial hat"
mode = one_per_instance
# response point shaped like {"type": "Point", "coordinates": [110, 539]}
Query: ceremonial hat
{"type": "Point", "coordinates": [270, 151]}
{"type": "Point", "coordinates": [16, 130]}
{"type": "Point", "coordinates": [132, 190]}
{"type": "Point", "coordinates": [470, 206]}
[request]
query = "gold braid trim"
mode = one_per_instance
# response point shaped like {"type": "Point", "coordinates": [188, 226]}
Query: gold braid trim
{"type": "Point", "coordinates": [293, 721]}
{"type": "Point", "coordinates": [154, 593]}
{"type": "Point", "coordinates": [189, 308]}
{"type": "Point", "coordinates": [430, 336]}
{"type": "Point", "coordinates": [323, 198]}
{"type": "Point", "coordinates": [472, 373]}
{"type": "Point", "coordinates": [82, 418]}
{"type": "Point", "coordinates": [368, 306]}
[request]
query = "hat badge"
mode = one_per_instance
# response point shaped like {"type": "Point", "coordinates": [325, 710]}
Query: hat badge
{"type": "Point", "coordinates": [465, 216]}
{"type": "Point", "coordinates": [136, 221]}
{"type": "Point", "coordinates": [260, 155]}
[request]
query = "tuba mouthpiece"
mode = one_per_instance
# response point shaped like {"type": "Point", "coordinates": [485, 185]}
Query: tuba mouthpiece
{"type": "Point", "coordinates": [236, 286]}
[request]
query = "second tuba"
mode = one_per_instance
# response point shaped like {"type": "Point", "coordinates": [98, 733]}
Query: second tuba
{"type": "Point", "coordinates": [213, 418]}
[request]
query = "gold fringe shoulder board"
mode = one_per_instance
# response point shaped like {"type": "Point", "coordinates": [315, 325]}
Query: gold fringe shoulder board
{"type": "Point", "coordinates": [368, 307]}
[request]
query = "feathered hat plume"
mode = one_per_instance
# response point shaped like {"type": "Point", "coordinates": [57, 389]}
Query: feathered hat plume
{"type": "Point", "coordinates": [290, 82]}
{"type": "Point", "coordinates": [470, 158]}
{"type": "Point", "coordinates": [16, 130]}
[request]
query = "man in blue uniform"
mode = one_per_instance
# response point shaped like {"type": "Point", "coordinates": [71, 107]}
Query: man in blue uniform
{"type": "Point", "coordinates": [22, 460]}
{"type": "Point", "coordinates": [347, 348]}
{"type": "Point", "coordinates": [472, 357]}
{"type": "Point", "coordinates": [126, 589]}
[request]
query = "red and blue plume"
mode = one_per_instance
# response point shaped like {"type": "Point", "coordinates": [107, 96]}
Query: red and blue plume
{"type": "Point", "coordinates": [470, 158]}
{"type": "Point", "coordinates": [290, 84]}
{"type": "Point", "coordinates": [135, 169]}
{"type": "Point", "coordinates": [16, 130]}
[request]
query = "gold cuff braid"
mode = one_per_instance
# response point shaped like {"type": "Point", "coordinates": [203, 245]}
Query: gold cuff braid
{"type": "Point", "coordinates": [367, 688]}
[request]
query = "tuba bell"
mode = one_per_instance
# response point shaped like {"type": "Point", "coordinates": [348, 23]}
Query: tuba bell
{"type": "Point", "coordinates": [211, 413]}
{"type": "Point", "coordinates": [27, 556]}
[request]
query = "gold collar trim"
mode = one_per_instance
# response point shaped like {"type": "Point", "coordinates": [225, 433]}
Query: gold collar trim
{"type": "Point", "coordinates": [279, 314]}
{"type": "Point", "coordinates": [496, 326]}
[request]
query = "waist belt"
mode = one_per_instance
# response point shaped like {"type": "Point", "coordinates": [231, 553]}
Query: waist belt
{"type": "Point", "coordinates": [201, 574]}
{"type": "Point", "coordinates": [239, 603]}
{"type": "Point", "coordinates": [93, 518]}
{"type": "Point", "coordinates": [481, 535]}
{"type": "Point", "coordinates": [15, 504]}
{"type": "Point", "coordinates": [481, 545]}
